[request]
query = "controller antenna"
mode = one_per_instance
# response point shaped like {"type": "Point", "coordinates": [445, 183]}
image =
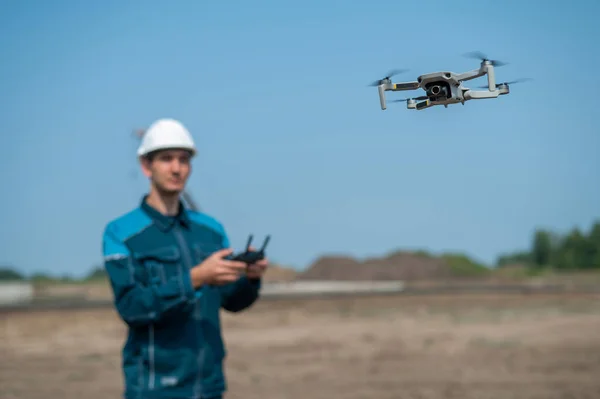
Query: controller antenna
{"type": "Point", "coordinates": [264, 246]}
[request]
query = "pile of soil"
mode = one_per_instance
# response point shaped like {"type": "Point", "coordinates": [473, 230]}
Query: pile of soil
{"type": "Point", "coordinates": [397, 266]}
{"type": "Point", "coordinates": [279, 274]}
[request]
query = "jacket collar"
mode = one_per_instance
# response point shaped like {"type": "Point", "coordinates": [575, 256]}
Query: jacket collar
{"type": "Point", "coordinates": [165, 222]}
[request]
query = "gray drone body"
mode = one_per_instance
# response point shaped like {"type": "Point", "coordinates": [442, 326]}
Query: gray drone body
{"type": "Point", "coordinates": [445, 88]}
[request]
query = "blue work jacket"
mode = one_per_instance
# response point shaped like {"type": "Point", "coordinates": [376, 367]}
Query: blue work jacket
{"type": "Point", "coordinates": [174, 348]}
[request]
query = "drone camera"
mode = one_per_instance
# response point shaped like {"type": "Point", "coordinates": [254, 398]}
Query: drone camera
{"type": "Point", "coordinates": [439, 91]}
{"type": "Point", "coordinates": [436, 90]}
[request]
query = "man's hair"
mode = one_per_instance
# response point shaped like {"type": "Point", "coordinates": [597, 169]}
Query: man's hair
{"type": "Point", "coordinates": [151, 155]}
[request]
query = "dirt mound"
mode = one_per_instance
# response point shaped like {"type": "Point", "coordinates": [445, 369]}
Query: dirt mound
{"type": "Point", "coordinates": [396, 266]}
{"type": "Point", "coordinates": [278, 274]}
{"type": "Point", "coordinates": [332, 268]}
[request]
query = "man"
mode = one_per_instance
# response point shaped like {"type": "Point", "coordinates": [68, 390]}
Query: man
{"type": "Point", "coordinates": [170, 277]}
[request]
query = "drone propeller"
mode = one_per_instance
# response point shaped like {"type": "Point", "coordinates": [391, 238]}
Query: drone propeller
{"type": "Point", "coordinates": [391, 73]}
{"type": "Point", "coordinates": [508, 83]}
{"type": "Point", "coordinates": [482, 57]}
{"type": "Point", "coordinates": [410, 98]}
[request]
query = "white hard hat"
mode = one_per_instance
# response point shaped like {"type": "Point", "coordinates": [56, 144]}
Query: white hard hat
{"type": "Point", "coordinates": [166, 134]}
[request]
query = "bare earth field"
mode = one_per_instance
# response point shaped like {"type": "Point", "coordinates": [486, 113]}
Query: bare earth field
{"type": "Point", "coordinates": [425, 347]}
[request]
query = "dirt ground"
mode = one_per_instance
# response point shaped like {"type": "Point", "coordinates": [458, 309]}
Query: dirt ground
{"type": "Point", "coordinates": [420, 347]}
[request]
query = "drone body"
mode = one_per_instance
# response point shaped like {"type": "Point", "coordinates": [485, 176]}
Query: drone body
{"type": "Point", "coordinates": [445, 88]}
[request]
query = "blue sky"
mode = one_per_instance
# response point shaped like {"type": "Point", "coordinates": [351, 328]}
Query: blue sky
{"type": "Point", "coordinates": [283, 92]}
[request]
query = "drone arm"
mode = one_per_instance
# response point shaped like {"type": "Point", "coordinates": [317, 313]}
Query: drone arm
{"type": "Point", "coordinates": [405, 86]}
{"type": "Point", "coordinates": [474, 74]}
{"type": "Point", "coordinates": [421, 105]}
{"type": "Point", "coordinates": [477, 94]}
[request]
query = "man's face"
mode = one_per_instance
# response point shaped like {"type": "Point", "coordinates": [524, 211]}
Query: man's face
{"type": "Point", "coordinates": [168, 170]}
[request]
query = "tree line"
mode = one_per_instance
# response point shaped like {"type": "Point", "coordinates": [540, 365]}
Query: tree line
{"type": "Point", "coordinates": [576, 250]}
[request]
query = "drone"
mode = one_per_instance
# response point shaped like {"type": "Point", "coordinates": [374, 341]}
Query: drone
{"type": "Point", "coordinates": [445, 88]}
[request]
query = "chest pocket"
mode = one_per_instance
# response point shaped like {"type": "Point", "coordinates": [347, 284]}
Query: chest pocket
{"type": "Point", "coordinates": [160, 264]}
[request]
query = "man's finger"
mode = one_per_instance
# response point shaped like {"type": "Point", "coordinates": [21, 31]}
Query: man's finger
{"type": "Point", "coordinates": [223, 252]}
{"type": "Point", "coordinates": [228, 277]}
{"type": "Point", "coordinates": [260, 265]}
{"type": "Point", "coordinates": [253, 269]}
{"type": "Point", "coordinates": [254, 275]}
{"type": "Point", "coordinates": [233, 264]}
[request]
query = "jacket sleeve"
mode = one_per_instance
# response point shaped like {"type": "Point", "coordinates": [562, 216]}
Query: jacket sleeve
{"type": "Point", "coordinates": [138, 303]}
{"type": "Point", "coordinates": [240, 294]}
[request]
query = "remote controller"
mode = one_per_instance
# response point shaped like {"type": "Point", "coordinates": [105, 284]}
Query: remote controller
{"type": "Point", "coordinates": [249, 257]}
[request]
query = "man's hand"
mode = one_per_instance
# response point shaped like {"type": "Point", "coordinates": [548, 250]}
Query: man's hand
{"type": "Point", "coordinates": [257, 270]}
{"type": "Point", "coordinates": [217, 271]}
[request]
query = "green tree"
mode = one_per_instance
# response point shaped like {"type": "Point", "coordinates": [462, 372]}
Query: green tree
{"type": "Point", "coordinates": [575, 251]}
{"type": "Point", "coordinates": [542, 248]}
{"type": "Point", "coordinates": [8, 273]}
{"type": "Point", "coordinates": [521, 257]}
{"type": "Point", "coordinates": [594, 242]}
{"type": "Point", "coordinates": [462, 265]}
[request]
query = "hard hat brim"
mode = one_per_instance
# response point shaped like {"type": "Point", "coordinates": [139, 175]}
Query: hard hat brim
{"type": "Point", "coordinates": [147, 151]}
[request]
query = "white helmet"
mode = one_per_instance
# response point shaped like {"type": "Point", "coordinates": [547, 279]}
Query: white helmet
{"type": "Point", "coordinates": [166, 134]}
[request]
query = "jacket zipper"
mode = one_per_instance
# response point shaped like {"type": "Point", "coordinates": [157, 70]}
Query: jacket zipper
{"type": "Point", "coordinates": [186, 253]}
{"type": "Point", "coordinates": [188, 262]}
{"type": "Point", "coordinates": [152, 375]}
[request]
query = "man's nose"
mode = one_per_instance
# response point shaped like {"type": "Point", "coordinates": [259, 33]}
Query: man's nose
{"type": "Point", "coordinates": [176, 166]}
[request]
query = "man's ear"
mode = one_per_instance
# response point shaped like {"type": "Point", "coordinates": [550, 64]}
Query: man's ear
{"type": "Point", "coordinates": [146, 164]}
